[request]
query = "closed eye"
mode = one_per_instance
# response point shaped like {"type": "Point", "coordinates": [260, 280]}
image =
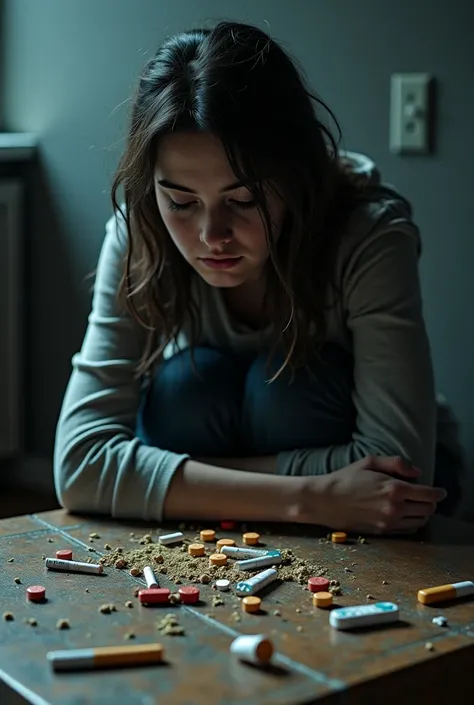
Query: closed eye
{"type": "Point", "coordinates": [174, 206]}
{"type": "Point", "coordinates": [244, 204]}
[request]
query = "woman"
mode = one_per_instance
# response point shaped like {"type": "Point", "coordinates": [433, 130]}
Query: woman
{"type": "Point", "coordinates": [256, 348]}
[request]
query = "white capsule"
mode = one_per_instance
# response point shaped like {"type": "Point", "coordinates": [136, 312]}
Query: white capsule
{"type": "Point", "coordinates": [257, 582]}
{"type": "Point", "coordinates": [73, 566]}
{"type": "Point", "coordinates": [222, 585]}
{"type": "Point", "coordinates": [272, 558]}
{"type": "Point", "coordinates": [238, 552]}
{"type": "Point", "coordinates": [253, 648]}
{"type": "Point", "coordinates": [171, 538]}
{"type": "Point", "coordinates": [151, 581]}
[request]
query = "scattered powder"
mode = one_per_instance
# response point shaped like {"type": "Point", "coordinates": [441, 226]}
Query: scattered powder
{"type": "Point", "coordinates": [94, 535]}
{"type": "Point", "coordinates": [11, 560]}
{"type": "Point", "coordinates": [107, 608]}
{"type": "Point", "coordinates": [50, 540]}
{"type": "Point", "coordinates": [370, 597]}
{"type": "Point", "coordinates": [18, 581]}
{"type": "Point", "coordinates": [178, 565]}
{"type": "Point", "coordinates": [429, 646]}
{"type": "Point", "coordinates": [169, 625]}
{"type": "Point", "coordinates": [129, 604]}
{"type": "Point", "coordinates": [299, 629]}
{"type": "Point", "coordinates": [8, 617]}
{"type": "Point", "coordinates": [217, 601]}
{"type": "Point", "coordinates": [277, 613]}
{"type": "Point", "coordinates": [107, 546]}
{"type": "Point", "coordinates": [129, 635]}
{"type": "Point", "coordinates": [86, 590]}
{"type": "Point", "coordinates": [31, 621]}
{"type": "Point", "coordinates": [63, 624]}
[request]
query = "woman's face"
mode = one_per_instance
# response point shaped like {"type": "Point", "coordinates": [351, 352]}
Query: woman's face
{"type": "Point", "coordinates": [211, 218]}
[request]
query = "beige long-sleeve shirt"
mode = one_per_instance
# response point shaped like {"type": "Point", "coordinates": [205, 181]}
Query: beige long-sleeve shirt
{"type": "Point", "coordinates": [99, 464]}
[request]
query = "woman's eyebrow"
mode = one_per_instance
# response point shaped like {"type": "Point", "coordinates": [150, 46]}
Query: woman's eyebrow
{"type": "Point", "coordinates": [177, 187]}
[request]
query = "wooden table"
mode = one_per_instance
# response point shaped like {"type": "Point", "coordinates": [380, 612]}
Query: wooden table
{"type": "Point", "coordinates": [315, 665]}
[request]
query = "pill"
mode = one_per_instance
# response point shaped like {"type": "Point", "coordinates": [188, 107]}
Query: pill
{"type": "Point", "coordinates": [338, 537]}
{"type": "Point", "coordinates": [253, 648]}
{"type": "Point", "coordinates": [207, 535]}
{"type": "Point", "coordinates": [224, 542]}
{"type": "Point", "coordinates": [238, 552]}
{"type": "Point", "coordinates": [154, 596]}
{"type": "Point", "coordinates": [271, 558]}
{"type": "Point", "coordinates": [171, 538]}
{"type": "Point", "coordinates": [64, 554]}
{"type": "Point", "coordinates": [318, 584]}
{"type": "Point", "coordinates": [251, 604]}
{"type": "Point", "coordinates": [256, 582]}
{"type": "Point", "coordinates": [36, 593]}
{"type": "Point", "coordinates": [150, 577]}
{"type": "Point", "coordinates": [73, 566]}
{"type": "Point", "coordinates": [251, 538]}
{"type": "Point", "coordinates": [228, 525]}
{"type": "Point", "coordinates": [189, 595]}
{"type": "Point", "coordinates": [429, 596]}
{"type": "Point", "coordinates": [217, 559]}
{"type": "Point", "coordinates": [322, 599]}
{"type": "Point", "coordinates": [196, 549]}
{"type": "Point", "coordinates": [222, 585]}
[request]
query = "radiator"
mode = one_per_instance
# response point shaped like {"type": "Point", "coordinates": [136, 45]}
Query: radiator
{"type": "Point", "coordinates": [11, 317]}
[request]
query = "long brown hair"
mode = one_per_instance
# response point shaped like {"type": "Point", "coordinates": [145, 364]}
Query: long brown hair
{"type": "Point", "coordinates": [235, 82]}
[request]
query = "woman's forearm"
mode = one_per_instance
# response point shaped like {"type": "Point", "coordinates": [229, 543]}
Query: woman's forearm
{"type": "Point", "coordinates": [261, 463]}
{"type": "Point", "coordinates": [202, 491]}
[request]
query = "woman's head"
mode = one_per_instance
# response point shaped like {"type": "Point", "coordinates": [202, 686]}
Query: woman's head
{"type": "Point", "coordinates": [224, 115]}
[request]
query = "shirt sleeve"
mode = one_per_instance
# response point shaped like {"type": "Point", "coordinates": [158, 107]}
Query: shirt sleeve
{"type": "Point", "coordinates": [393, 393]}
{"type": "Point", "coordinates": [100, 466]}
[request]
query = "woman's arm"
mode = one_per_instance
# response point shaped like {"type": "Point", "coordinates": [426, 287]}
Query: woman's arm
{"type": "Point", "coordinates": [393, 377]}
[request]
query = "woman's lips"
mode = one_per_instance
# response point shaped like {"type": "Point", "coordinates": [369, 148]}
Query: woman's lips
{"type": "Point", "coordinates": [221, 262]}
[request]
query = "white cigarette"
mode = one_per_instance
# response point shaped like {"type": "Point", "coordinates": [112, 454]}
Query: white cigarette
{"type": "Point", "coordinates": [151, 581]}
{"type": "Point", "coordinates": [258, 582]}
{"type": "Point", "coordinates": [272, 558]}
{"type": "Point", "coordinates": [254, 648]}
{"type": "Point", "coordinates": [73, 566]}
{"type": "Point", "coordinates": [238, 552]}
{"type": "Point", "coordinates": [171, 538]}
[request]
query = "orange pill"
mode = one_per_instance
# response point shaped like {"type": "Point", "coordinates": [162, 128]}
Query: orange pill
{"type": "Point", "coordinates": [251, 538]}
{"type": "Point", "coordinates": [338, 537]}
{"type": "Point", "coordinates": [196, 549]}
{"type": "Point", "coordinates": [322, 599]}
{"type": "Point", "coordinates": [207, 535]}
{"type": "Point", "coordinates": [224, 542]}
{"type": "Point", "coordinates": [251, 603]}
{"type": "Point", "coordinates": [217, 559]}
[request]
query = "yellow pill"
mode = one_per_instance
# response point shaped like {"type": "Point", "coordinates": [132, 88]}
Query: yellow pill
{"type": "Point", "coordinates": [338, 537]}
{"type": "Point", "coordinates": [251, 604]}
{"type": "Point", "coordinates": [217, 559]}
{"type": "Point", "coordinates": [196, 549]}
{"type": "Point", "coordinates": [207, 535]}
{"type": "Point", "coordinates": [224, 542]}
{"type": "Point", "coordinates": [322, 599]}
{"type": "Point", "coordinates": [251, 538]}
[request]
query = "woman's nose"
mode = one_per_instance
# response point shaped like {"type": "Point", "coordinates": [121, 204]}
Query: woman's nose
{"type": "Point", "coordinates": [215, 230]}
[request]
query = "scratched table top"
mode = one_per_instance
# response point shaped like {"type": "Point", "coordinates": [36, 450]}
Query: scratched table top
{"type": "Point", "coordinates": [313, 662]}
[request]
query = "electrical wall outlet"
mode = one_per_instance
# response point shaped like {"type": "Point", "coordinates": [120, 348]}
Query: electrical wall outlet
{"type": "Point", "coordinates": [410, 113]}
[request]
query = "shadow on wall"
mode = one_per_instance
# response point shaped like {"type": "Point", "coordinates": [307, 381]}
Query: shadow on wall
{"type": "Point", "coordinates": [55, 315]}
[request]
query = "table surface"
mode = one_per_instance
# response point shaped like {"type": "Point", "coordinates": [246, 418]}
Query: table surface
{"type": "Point", "coordinates": [314, 665]}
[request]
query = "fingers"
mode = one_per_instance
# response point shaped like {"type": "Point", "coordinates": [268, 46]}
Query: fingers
{"type": "Point", "coordinates": [424, 493]}
{"type": "Point", "coordinates": [409, 525]}
{"type": "Point", "coordinates": [391, 465]}
{"type": "Point", "coordinates": [419, 509]}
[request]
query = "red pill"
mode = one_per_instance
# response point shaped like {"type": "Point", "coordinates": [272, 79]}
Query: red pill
{"type": "Point", "coordinates": [228, 525]}
{"type": "Point", "coordinates": [65, 554]}
{"type": "Point", "coordinates": [36, 593]}
{"type": "Point", "coordinates": [189, 595]}
{"type": "Point", "coordinates": [318, 584]}
{"type": "Point", "coordinates": [154, 596]}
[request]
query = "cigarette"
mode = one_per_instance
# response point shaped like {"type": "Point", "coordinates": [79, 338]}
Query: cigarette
{"type": "Point", "coordinates": [105, 657]}
{"type": "Point", "coordinates": [440, 593]}
{"type": "Point", "coordinates": [272, 558]}
{"type": "Point", "coordinates": [73, 566]}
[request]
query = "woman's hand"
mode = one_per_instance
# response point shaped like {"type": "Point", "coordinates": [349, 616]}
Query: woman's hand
{"type": "Point", "coordinates": [372, 495]}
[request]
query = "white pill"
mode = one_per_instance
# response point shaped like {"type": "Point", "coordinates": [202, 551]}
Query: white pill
{"type": "Point", "coordinates": [254, 648]}
{"type": "Point", "coordinates": [222, 585]}
{"type": "Point", "coordinates": [151, 581]}
{"type": "Point", "coordinates": [171, 538]}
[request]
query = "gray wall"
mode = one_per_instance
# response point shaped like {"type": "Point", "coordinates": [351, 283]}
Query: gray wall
{"type": "Point", "coordinates": [68, 71]}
